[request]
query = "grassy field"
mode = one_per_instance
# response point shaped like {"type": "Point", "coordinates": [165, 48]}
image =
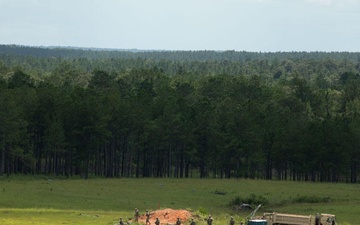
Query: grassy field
{"type": "Point", "coordinates": [29, 200]}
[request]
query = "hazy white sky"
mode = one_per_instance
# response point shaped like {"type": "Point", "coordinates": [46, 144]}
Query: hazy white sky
{"type": "Point", "coordinates": [250, 25]}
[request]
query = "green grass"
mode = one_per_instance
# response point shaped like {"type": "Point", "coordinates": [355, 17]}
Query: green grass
{"type": "Point", "coordinates": [29, 200]}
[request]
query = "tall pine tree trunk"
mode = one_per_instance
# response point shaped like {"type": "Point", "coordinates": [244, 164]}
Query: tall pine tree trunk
{"type": "Point", "coordinates": [2, 161]}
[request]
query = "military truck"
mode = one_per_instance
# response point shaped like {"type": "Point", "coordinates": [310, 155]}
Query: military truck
{"type": "Point", "coordinates": [292, 219]}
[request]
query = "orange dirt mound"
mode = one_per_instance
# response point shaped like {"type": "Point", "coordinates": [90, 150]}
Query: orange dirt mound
{"type": "Point", "coordinates": [167, 216]}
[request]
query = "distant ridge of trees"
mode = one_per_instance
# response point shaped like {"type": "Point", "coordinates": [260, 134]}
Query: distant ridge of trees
{"type": "Point", "coordinates": [201, 55]}
{"type": "Point", "coordinates": [288, 118]}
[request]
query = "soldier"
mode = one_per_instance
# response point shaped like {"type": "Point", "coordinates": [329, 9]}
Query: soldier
{"type": "Point", "coordinates": [147, 217]}
{"type": "Point", "coordinates": [317, 219]}
{"type": "Point", "coordinates": [157, 221]}
{"type": "Point", "coordinates": [121, 222]}
{"type": "Point", "coordinates": [232, 221]}
{"type": "Point", "coordinates": [192, 222]}
{"type": "Point", "coordinates": [136, 215]}
{"type": "Point", "coordinates": [209, 220]}
{"type": "Point", "coordinates": [178, 222]}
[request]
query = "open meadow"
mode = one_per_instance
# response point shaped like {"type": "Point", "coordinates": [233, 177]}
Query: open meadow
{"type": "Point", "coordinates": [40, 200]}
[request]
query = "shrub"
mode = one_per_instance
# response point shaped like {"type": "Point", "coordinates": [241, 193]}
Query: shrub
{"type": "Point", "coordinates": [202, 210]}
{"type": "Point", "coordinates": [311, 199]}
{"type": "Point", "coordinates": [218, 192]}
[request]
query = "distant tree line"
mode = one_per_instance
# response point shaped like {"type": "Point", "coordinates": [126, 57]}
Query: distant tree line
{"type": "Point", "coordinates": [204, 55]}
{"type": "Point", "coordinates": [266, 119]}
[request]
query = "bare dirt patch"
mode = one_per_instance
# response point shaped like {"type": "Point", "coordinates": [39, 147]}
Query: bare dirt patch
{"type": "Point", "coordinates": [167, 216]}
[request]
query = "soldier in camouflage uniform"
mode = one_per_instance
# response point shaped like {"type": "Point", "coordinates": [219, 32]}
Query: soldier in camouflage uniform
{"type": "Point", "coordinates": [136, 215]}
{"type": "Point", "coordinates": [317, 219]}
{"type": "Point", "coordinates": [209, 220]}
{"type": "Point", "coordinates": [147, 214]}
{"type": "Point", "coordinates": [232, 221]}
{"type": "Point", "coordinates": [121, 222]}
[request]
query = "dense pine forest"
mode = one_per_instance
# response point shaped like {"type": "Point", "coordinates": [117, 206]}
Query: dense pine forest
{"type": "Point", "coordinates": [85, 112]}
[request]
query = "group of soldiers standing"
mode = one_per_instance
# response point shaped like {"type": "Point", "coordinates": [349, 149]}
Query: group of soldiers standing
{"type": "Point", "coordinates": [209, 220]}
